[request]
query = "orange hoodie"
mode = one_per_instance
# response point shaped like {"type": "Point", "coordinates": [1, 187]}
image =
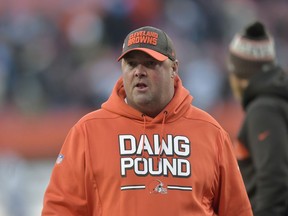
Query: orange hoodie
{"type": "Point", "coordinates": [113, 163]}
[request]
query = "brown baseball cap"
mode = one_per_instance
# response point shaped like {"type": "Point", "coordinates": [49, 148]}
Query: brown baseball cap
{"type": "Point", "coordinates": [150, 40]}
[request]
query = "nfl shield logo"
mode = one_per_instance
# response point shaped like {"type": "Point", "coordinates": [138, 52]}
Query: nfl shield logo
{"type": "Point", "coordinates": [59, 158]}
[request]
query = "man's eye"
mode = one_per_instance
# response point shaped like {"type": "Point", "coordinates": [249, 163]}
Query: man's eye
{"type": "Point", "coordinates": [151, 64]}
{"type": "Point", "coordinates": [132, 64]}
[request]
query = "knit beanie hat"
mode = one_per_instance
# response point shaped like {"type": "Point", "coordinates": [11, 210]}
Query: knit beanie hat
{"type": "Point", "coordinates": [251, 51]}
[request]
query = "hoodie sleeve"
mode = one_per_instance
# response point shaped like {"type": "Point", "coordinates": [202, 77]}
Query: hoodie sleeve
{"type": "Point", "coordinates": [231, 198]}
{"type": "Point", "coordinates": [268, 141]}
{"type": "Point", "coordinates": [65, 194]}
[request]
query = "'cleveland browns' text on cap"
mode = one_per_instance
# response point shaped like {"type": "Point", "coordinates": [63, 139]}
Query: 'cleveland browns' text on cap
{"type": "Point", "coordinates": [150, 40]}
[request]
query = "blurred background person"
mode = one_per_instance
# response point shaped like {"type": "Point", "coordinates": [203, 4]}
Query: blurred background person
{"type": "Point", "coordinates": [261, 85]}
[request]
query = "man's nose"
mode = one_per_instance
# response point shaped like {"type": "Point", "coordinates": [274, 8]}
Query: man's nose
{"type": "Point", "coordinates": [140, 71]}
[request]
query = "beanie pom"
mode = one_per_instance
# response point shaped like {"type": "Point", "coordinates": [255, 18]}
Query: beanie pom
{"type": "Point", "coordinates": [256, 31]}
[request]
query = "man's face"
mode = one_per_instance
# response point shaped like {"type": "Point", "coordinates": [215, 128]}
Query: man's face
{"type": "Point", "coordinates": [149, 84]}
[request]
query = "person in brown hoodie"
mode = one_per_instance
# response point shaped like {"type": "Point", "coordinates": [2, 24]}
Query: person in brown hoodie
{"type": "Point", "coordinates": [261, 86]}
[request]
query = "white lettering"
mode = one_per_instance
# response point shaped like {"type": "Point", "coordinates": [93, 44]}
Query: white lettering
{"type": "Point", "coordinates": [182, 146]}
{"type": "Point", "coordinates": [124, 141]}
{"type": "Point", "coordinates": [172, 160]}
{"type": "Point", "coordinates": [126, 163]}
{"type": "Point", "coordinates": [183, 167]}
{"type": "Point", "coordinates": [143, 166]}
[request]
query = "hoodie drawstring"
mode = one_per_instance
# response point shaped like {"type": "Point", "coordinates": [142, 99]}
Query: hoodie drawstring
{"type": "Point", "coordinates": [144, 137]}
{"type": "Point", "coordinates": [143, 153]}
{"type": "Point", "coordinates": [161, 137]}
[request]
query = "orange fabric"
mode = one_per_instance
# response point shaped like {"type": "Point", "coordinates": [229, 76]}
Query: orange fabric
{"type": "Point", "coordinates": [101, 171]}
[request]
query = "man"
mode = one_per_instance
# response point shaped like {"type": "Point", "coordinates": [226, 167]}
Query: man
{"type": "Point", "coordinates": [147, 151]}
{"type": "Point", "coordinates": [262, 149]}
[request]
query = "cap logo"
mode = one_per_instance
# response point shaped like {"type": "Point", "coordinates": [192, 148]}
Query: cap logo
{"type": "Point", "coordinates": [143, 37]}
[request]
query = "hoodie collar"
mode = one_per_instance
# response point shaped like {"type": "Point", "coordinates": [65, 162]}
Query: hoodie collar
{"type": "Point", "coordinates": [273, 82]}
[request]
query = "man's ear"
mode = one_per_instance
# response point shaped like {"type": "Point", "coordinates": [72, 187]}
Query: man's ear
{"type": "Point", "coordinates": [174, 69]}
{"type": "Point", "coordinates": [172, 75]}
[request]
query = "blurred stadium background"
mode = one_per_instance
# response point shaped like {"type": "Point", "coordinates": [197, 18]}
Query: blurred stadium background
{"type": "Point", "coordinates": [58, 62]}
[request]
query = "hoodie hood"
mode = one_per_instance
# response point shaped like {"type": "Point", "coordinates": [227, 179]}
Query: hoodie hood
{"type": "Point", "coordinates": [269, 83]}
{"type": "Point", "coordinates": [179, 104]}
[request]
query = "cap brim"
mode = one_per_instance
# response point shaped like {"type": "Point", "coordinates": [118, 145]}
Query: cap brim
{"type": "Point", "coordinates": [154, 54]}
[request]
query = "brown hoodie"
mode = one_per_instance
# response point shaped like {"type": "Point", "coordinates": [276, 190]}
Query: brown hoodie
{"type": "Point", "coordinates": [112, 163]}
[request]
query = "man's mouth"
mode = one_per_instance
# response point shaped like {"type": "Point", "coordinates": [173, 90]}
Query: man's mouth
{"type": "Point", "coordinates": [141, 85]}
